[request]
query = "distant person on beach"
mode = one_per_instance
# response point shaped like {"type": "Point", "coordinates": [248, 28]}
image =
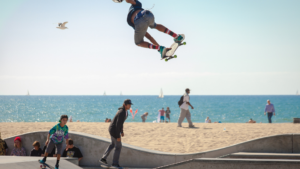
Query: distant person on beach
{"type": "Point", "coordinates": [3, 146]}
{"type": "Point", "coordinates": [36, 151]}
{"type": "Point", "coordinates": [55, 139]}
{"type": "Point", "coordinates": [72, 151]}
{"type": "Point", "coordinates": [207, 120]}
{"type": "Point", "coordinates": [144, 117]}
{"type": "Point", "coordinates": [270, 110]}
{"type": "Point", "coordinates": [162, 115]}
{"type": "Point", "coordinates": [106, 120]}
{"type": "Point", "coordinates": [251, 121]}
{"type": "Point", "coordinates": [71, 119]}
{"type": "Point", "coordinates": [116, 131]}
{"type": "Point", "coordinates": [184, 104]}
{"type": "Point", "coordinates": [18, 149]}
{"type": "Point", "coordinates": [168, 112]}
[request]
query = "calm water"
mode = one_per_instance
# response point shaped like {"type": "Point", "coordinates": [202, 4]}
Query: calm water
{"type": "Point", "coordinates": [229, 109]}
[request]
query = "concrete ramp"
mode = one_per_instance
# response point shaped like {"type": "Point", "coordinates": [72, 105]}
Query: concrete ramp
{"type": "Point", "coordinates": [12, 162]}
{"type": "Point", "coordinates": [219, 163]}
{"type": "Point", "coordinates": [247, 155]}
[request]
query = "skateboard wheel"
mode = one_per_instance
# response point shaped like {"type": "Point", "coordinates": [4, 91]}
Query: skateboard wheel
{"type": "Point", "coordinates": [184, 43]}
{"type": "Point", "coordinates": [175, 56]}
{"type": "Point", "coordinates": [166, 60]}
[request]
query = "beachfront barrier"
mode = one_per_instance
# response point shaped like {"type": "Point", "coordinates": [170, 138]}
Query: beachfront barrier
{"type": "Point", "coordinates": [93, 147]}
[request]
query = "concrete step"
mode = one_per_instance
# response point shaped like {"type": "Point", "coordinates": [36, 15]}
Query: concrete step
{"type": "Point", "coordinates": [223, 163]}
{"type": "Point", "coordinates": [263, 155]}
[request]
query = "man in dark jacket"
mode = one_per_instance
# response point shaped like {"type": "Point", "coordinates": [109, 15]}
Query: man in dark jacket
{"type": "Point", "coordinates": [116, 131]}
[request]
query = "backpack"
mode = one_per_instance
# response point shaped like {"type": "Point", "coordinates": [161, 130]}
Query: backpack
{"type": "Point", "coordinates": [180, 102]}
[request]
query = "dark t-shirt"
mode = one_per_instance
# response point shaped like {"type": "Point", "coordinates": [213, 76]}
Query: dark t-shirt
{"type": "Point", "coordinates": [50, 154]}
{"type": "Point", "coordinates": [38, 152]}
{"type": "Point", "coordinates": [72, 152]}
{"type": "Point", "coordinates": [132, 9]}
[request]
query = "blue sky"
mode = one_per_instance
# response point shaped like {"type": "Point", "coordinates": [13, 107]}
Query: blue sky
{"type": "Point", "coordinates": [233, 48]}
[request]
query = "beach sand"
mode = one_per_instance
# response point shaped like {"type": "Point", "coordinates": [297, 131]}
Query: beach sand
{"type": "Point", "coordinates": [167, 137]}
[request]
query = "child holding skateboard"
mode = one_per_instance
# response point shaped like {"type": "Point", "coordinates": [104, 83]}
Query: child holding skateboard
{"type": "Point", "coordinates": [55, 138]}
{"type": "Point", "coordinates": [140, 19]}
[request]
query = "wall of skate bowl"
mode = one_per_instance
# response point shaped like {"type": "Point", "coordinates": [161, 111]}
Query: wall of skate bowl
{"type": "Point", "coordinates": [93, 147]}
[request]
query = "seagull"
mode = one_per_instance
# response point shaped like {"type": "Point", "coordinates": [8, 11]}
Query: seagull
{"type": "Point", "coordinates": [62, 26]}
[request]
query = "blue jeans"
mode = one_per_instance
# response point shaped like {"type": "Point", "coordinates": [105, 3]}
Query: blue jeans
{"type": "Point", "coordinates": [270, 116]}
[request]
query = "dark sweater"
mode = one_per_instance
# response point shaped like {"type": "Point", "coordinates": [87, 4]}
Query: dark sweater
{"type": "Point", "coordinates": [38, 152]}
{"type": "Point", "coordinates": [116, 125]}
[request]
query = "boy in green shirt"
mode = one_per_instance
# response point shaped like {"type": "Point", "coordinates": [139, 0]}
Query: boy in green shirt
{"type": "Point", "coordinates": [55, 138]}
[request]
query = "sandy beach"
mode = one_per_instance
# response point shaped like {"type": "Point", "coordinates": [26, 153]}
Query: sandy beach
{"type": "Point", "coordinates": [167, 137]}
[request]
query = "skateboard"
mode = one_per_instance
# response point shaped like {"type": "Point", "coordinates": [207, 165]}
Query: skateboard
{"type": "Point", "coordinates": [109, 166]}
{"type": "Point", "coordinates": [170, 53]}
{"type": "Point", "coordinates": [117, 1]}
{"type": "Point", "coordinates": [44, 166]}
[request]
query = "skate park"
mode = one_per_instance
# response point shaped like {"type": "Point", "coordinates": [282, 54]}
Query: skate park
{"type": "Point", "coordinates": [281, 151]}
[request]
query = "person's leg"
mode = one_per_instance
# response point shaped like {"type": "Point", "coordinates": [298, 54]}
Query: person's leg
{"type": "Point", "coordinates": [109, 148]}
{"type": "Point", "coordinates": [188, 117]}
{"type": "Point", "coordinates": [270, 117]}
{"type": "Point", "coordinates": [117, 152]}
{"type": "Point", "coordinates": [181, 117]}
{"type": "Point", "coordinates": [59, 151]}
{"type": "Point", "coordinates": [49, 149]}
{"type": "Point", "coordinates": [141, 26]}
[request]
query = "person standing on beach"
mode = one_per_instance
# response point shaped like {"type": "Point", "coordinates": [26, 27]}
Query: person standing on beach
{"type": "Point", "coordinates": [168, 111]}
{"type": "Point", "coordinates": [144, 117]}
{"type": "Point", "coordinates": [162, 115]}
{"type": "Point", "coordinates": [116, 131]}
{"type": "Point", "coordinates": [270, 110]}
{"type": "Point", "coordinates": [184, 104]}
{"type": "Point", "coordinates": [55, 138]}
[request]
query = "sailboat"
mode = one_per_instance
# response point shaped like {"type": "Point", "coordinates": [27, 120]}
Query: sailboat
{"type": "Point", "coordinates": [104, 94]}
{"type": "Point", "coordinates": [297, 93]}
{"type": "Point", "coordinates": [121, 94]}
{"type": "Point", "coordinates": [28, 93]}
{"type": "Point", "coordinates": [161, 95]}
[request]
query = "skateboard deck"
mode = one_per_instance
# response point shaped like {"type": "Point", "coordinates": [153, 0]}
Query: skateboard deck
{"type": "Point", "coordinates": [109, 166]}
{"type": "Point", "coordinates": [170, 53]}
{"type": "Point", "coordinates": [44, 166]}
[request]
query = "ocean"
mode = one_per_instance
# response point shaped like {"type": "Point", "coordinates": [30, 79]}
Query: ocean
{"type": "Point", "coordinates": [227, 109]}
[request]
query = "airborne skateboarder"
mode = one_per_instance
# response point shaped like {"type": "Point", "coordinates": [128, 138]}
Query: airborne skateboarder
{"type": "Point", "coordinates": [140, 19]}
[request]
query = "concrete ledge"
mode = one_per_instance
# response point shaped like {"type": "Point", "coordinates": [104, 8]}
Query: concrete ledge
{"type": "Point", "coordinates": [27, 162]}
{"type": "Point", "coordinates": [217, 163]}
{"type": "Point", "coordinates": [93, 147]}
{"type": "Point", "coordinates": [264, 155]}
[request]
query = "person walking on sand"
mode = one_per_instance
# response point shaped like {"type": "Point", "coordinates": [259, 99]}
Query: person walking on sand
{"type": "Point", "coordinates": [55, 138]}
{"type": "Point", "coordinates": [116, 131]}
{"type": "Point", "coordinates": [184, 104]}
{"type": "Point", "coordinates": [270, 110]}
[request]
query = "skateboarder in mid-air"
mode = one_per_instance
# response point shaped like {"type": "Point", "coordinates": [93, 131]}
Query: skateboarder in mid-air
{"type": "Point", "coordinates": [140, 19]}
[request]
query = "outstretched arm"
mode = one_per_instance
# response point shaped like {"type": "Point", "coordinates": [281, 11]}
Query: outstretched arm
{"type": "Point", "coordinates": [152, 40]}
{"type": "Point", "coordinates": [131, 2]}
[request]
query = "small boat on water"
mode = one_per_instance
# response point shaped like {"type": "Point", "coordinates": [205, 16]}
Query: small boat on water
{"type": "Point", "coordinates": [104, 94]}
{"type": "Point", "coordinates": [161, 95]}
{"type": "Point", "coordinates": [297, 93]}
{"type": "Point", "coordinates": [28, 93]}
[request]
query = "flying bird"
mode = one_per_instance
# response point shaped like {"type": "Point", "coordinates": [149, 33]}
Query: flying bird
{"type": "Point", "coordinates": [62, 26]}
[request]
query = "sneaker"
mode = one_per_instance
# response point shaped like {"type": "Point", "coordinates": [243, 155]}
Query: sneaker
{"type": "Point", "coordinates": [162, 51]}
{"type": "Point", "coordinates": [116, 166]}
{"type": "Point", "coordinates": [56, 167]}
{"type": "Point", "coordinates": [180, 38]}
{"type": "Point", "coordinates": [192, 126]}
{"type": "Point", "coordinates": [179, 126]}
{"type": "Point", "coordinates": [103, 161]}
{"type": "Point", "coordinates": [42, 161]}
